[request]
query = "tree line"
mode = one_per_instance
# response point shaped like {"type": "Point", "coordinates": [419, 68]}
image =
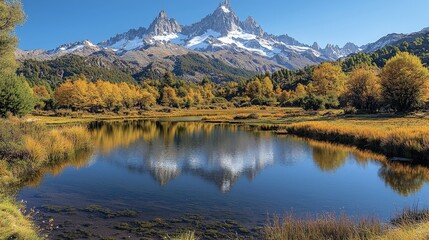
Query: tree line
{"type": "Point", "coordinates": [400, 85]}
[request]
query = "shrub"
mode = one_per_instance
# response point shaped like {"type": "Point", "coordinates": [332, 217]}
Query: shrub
{"type": "Point", "coordinates": [78, 136]}
{"type": "Point", "coordinates": [313, 102]}
{"type": "Point", "coordinates": [261, 101]}
{"type": "Point", "coordinates": [36, 151]}
{"type": "Point", "coordinates": [350, 110]}
{"type": "Point", "coordinates": [241, 101]}
{"type": "Point", "coordinates": [219, 100]}
{"type": "Point", "coordinates": [244, 117]}
{"type": "Point", "coordinates": [59, 146]}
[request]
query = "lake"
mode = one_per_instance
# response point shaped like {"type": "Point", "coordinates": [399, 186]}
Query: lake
{"type": "Point", "coordinates": [149, 178]}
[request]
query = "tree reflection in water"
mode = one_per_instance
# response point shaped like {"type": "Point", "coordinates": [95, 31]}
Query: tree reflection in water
{"type": "Point", "coordinates": [403, 179]}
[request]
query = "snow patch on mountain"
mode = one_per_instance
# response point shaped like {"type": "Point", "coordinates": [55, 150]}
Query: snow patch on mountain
{"type": "Point", "coordinates": [225, 9]}
{"type": "Point", "coordinates": [198, 41]}
{"type": "Point", "coordinates": [166, 38]}
{"type": "Point", "coordinates": [127, 45]}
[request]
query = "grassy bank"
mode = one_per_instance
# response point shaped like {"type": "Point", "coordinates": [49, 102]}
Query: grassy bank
{"type": "Point", "coordinates": [13, 223]}
{"type": "Point", "coordinates": [25, 149]}
{"type": "Point", "coordinates": [401, 141]}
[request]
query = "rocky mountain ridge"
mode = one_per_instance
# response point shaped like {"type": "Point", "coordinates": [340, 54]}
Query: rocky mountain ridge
{"type": "Point", "coordinates": [220, 35]}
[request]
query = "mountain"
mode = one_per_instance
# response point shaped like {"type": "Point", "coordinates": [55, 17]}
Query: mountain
{"type": "Point", "coordinates": [415, 43]}
{"type": "Point", "coordinates": [384, 41]}
{"type": "Point", "coordinates": [220, 36]}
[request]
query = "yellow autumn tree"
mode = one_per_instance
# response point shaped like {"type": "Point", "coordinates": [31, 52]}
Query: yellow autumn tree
{"type": "Point", "coordinates": [80, 95]}
{"type": "Point", "coordinates": [300, 91]}
{"type": "Point", "coordinates": [95, 102]}
{"type": "Point", "coordinates": [267, 87]}
{"type": "Point", "coordinates": [126, 95]}
{"type": "Point", "coordinates": [169, 97]}
{"type": "Point", "coordinates": [403, 82]}
{"type": "Point", "coordinates": [363, 89]}
{"type": "Point", "coordinates": [41, 96]}
{"type": "Point", "coordinates": [64, 94]}
{"type": "Point", "coordinates": [145, 99]}
{"type": "Point", "coordinates": [328, 79]}
{"type": "Point", "coordinates": [254, 89]}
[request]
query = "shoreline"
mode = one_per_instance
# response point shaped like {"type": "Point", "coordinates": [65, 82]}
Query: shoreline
{"type": "Point", "coordinates": [276, 120]}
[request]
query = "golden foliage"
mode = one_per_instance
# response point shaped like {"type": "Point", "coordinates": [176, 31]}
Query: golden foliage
{"type": "Point", "coordinates": [83, 95]}
{"type": "Point", "coordinates": [403, 81]}
{"type": "Point", "coordinates": [363, 89]}
{"type": "Point", "coordinates": [328, 79]}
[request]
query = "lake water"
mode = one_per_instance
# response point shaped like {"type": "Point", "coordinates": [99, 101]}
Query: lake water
{"type": "Point", "coordinates": [144, 176]}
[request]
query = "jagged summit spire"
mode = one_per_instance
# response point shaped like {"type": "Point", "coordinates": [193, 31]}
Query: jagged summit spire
{"type": "Point", "coordinates": [163, 25]}
{"type": "Point", "coordinates": [250, 19]}
{"type": "Point", "coordinates": [225, 7]}
{"type": "Point", "coordinates": [250, 25]}
{"type": "Point", "coordinates": [162, 14]}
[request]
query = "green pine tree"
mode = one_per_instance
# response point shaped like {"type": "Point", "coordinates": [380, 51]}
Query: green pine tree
{"type": "Point", "coordinates": [15, 96]}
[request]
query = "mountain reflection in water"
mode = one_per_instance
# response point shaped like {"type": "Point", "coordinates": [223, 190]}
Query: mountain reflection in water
{"type": "Point", "coordinates": [220, 154]}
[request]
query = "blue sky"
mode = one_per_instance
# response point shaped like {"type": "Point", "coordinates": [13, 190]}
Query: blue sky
{"type": "Point", "coordinates": [54, 22]}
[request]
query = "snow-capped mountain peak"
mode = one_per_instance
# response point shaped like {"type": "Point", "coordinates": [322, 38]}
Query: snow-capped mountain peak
{"type": "Point", "coordinates": [226, 7]}
{"type": "Point", "coordinates": [75, 47]}
{"type": "Point", "coordinates": [219, 31]}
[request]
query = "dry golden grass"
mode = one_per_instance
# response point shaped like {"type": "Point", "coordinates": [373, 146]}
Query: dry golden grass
{"type": "Point", "coordinates": [408, 232]}
{"type": "Point", "coordinates": [35, 149]}
{"type": "Point", "coordinates": [411, 142]}
{"type": "Point", "coordinates": [78, 136]}
{"type": "Point", "coordinates": [59, 146]}
{"type": "Point", "coordinates": [412, 225]}
{"type": "Point", "coordinates": [322, 227]}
